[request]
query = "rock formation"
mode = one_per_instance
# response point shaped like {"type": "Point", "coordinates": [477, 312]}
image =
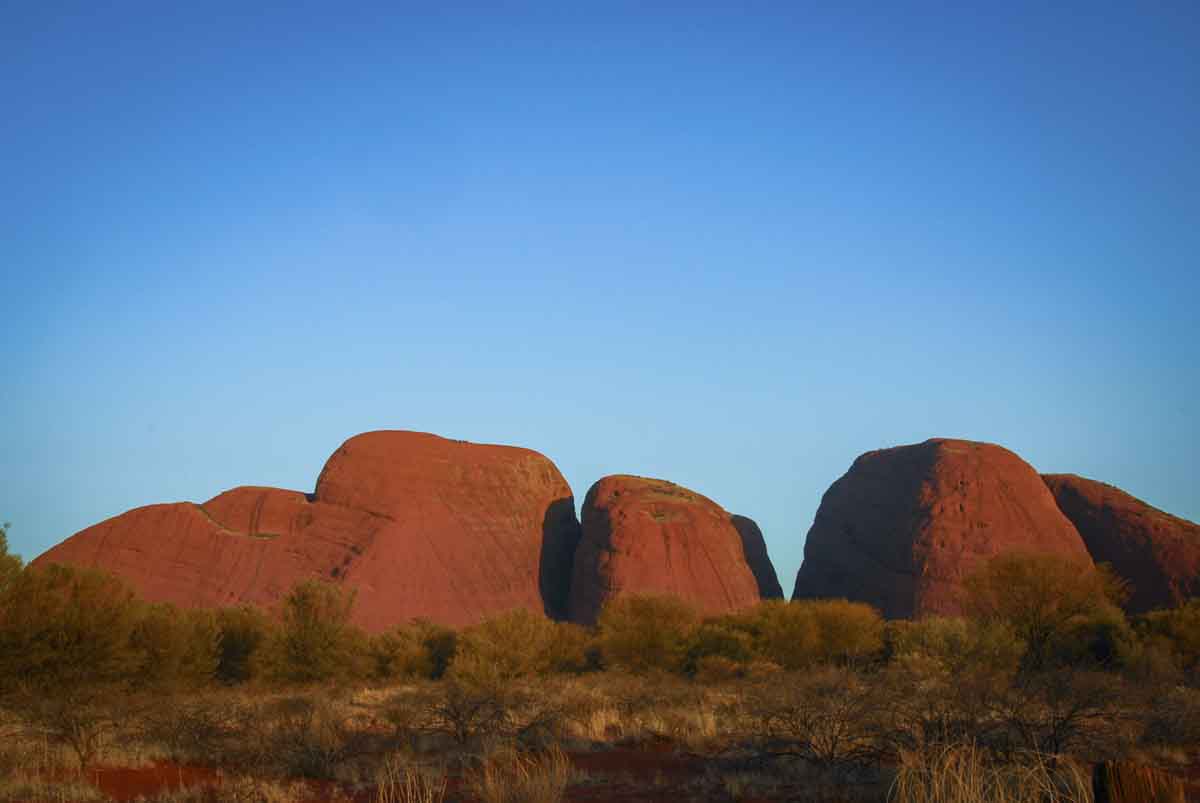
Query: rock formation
{"type": "Point", "coordinates": [645, 536]}
{"type": "Point", "coordinates": [754, 550]}
{"type": "Point", "coordinates": [904, 526]}
{"type": "Point", "coordinates": [417, 525]}
{"type": "Point", "coordinates": [1159, 554]}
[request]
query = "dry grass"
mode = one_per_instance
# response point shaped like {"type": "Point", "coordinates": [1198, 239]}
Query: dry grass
{"type": "Point", "coordinates": [32, 788]}
{"type": "Point", "coordinates": [966, 774]}
{"type": "Point", "coordinates": [397, 783]}
{"type": "Point", "coordinates": [509, 776]}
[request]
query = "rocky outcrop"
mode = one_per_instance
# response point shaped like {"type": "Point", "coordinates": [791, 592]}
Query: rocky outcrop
{"type": "Point", "coordinates": [416, 525]}
{"type": "Point", "coordinates": [754, 550]}
{"type": "Point", "coordinates": [903, 527]}
{"type": "Point", "coordinates": [1157, 553]}
{"type": "Point", "coordinates": [646, 536]}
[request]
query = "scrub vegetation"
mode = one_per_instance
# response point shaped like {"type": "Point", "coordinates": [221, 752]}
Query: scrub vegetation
{"type": "Point", "coordinates": [1043, 677]}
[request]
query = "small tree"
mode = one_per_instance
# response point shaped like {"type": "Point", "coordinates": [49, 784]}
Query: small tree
{"type": "Point", "coordinates": [315, 640]}
{"type": "Point", "coordinates": [66, 652]}
{"type": "Point", "coordinates": [1038, 596]}
{"type": "Point", "coordinates": [799, 634]}
{"type": "Point", "coordinates": [64, 628]}
{"type": "Point", "coordinates": [179, 648]}
{"type": "Point", "coordinates": [641, 633]}
{"type": "Point", "coordinates": [10, 565]}
{"type": "Point", "coordinates": [242, 632]}
{"type": "Point", "coordinates": [513, 645]}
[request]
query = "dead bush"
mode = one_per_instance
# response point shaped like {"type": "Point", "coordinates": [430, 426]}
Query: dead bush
{"type": "Point", "coordinates": [829, 718]}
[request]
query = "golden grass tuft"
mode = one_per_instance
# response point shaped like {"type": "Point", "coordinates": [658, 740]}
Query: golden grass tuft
{"type": "Point", "coordinates": [510, 776]}
{"type": "Point", "coordinates": [966, 774]}
{"type": "Point", "coordinates": [397, 783]}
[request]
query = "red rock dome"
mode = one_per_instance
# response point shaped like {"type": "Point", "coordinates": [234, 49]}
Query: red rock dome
{"type": "Point", "coordinates": [1159, 554]}
{"type": "Point", "coordinates": [417, 525]}
{"type": "Point", "coordinates": [646, 536]}
{"type": "Point", "coordinates": [903, 527]}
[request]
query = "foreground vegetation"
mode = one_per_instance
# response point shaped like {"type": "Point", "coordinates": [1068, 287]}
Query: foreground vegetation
{"type": "Point", "coordinates": [818, 699]}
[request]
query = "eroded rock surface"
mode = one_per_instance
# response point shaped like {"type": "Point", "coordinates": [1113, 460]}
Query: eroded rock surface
{"type": "Point", "coordinates": [1159, 554]}
{"type": "Point", "coordinates": [904, 526]}
{"type": "Point", "coordinates": [647, 536]}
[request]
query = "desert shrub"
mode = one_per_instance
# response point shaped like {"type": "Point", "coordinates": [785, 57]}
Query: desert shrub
{"type": "Point", "coordinates": [956, 644]}
{"type": "Point", "coordinates": [306, 737]}
{"type": "Point", "coordinates": [179, 649]}
{"type": "Point", "coordinates": [1101, 639]}
{"type": "Point", "coordinates": [1176, 633]}
{"type": "Point", "coordinates": [194, 728]}
{"type": "Point", "coordinates": [476, 710]}
{"type": "Point", "coordinates": [784, 633]}
{"type": "Point", "coordinates": [850, 632]}
{"type": "Point", "coordinates": [802, 633]}
{"type": "Point", "coordinates": [63, 629]}
{"type": "Point", "coordinates": [511, 776]}
{"type": "Point", "coordinates": [717, 649]}
{"type": "Point", "coordinates": [315, 641]}
{"type": "Point", "coordinates": [440, 643]}
{"type": "Point", "coordinates": [10, 564]}
{"type": "Point", "coordinates": [641, 633]}
{"type": "Point", "coordinates": [572, 650]}
{"type": "Point", "coordinates": [968, 774]}
{"type": "Point", "coordinates": [81, 719]}
{"type": "Point", "coordinates": [516, 644]}
{"type": "Point", "coordinates": [399, 653]}
{"type": "Point", "coordinates": [241, 632]}
{"type": "Point", "coordinates": [925, 700]}
{"type": "Point", "coordinates": [1039, 596]}
{"type": "Point", "coordinates": [829, 717]}
{"type": "Point", "coordinates": [1063, 711]}
{"type": "Point", "coordinates": [1172, 719]}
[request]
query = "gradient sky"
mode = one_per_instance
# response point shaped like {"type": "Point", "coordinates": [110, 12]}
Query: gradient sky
{"type": "Point", "coordinates": [731, 245]}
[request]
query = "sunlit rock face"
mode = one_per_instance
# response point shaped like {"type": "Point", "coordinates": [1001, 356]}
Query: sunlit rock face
{"type": "Point", "coordinates": [416, 525]}
{"type": "Point", "coordinates": [647, 536]}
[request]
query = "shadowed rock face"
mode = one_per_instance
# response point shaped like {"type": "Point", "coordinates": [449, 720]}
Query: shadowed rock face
{"type": "Point", "coordinates": [417, 525]}
{"type": "Point", "coordinates": [754, 550]}
{"type": "Point", "coordinates": [1159, 554]}
{"type": "Point", "coordinates": [903, 527]}
{"type": "Point", "coordinates": [645, 536]}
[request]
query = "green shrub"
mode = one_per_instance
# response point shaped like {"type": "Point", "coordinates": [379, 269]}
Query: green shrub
{"type": "Point", "coordinates": [241, 632]}
{"type": "Point", "coordinates": [400, 653]}
{"type": "Point", "coordinates": [315, 641]}
{"type": "Point", "coordinates": [1103, 638]}
{"type": "Point", "coordinates": [513, 645]}
{"type": "Point", "coordinates": [1177, 632]}
{"type": "Point", "coordinates": [799, 634]}
{"type": "Point", "coordinates": [10, 565]}
{"type": "Point", "coordinates": [1039, 596]}
{"type": "Point", "coordinates": [955, 644]}
{"type": "Point", "coordinates": [179, 649]}
{"type": "Point", "coordinates": [441, 644]}
{"type": "Point", "coordinates": [640, 633]}
{"type": "Point", "coordinates": [63, 628]}
{"type": "Point", "coordinates": [720, 648]}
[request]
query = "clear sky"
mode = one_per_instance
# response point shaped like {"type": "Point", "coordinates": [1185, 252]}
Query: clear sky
{"type": "Point", "coordinates": [731, 245]}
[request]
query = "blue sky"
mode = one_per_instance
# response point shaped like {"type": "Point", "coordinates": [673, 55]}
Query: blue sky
{"type": "Point", "coordinates": [729, 245]}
